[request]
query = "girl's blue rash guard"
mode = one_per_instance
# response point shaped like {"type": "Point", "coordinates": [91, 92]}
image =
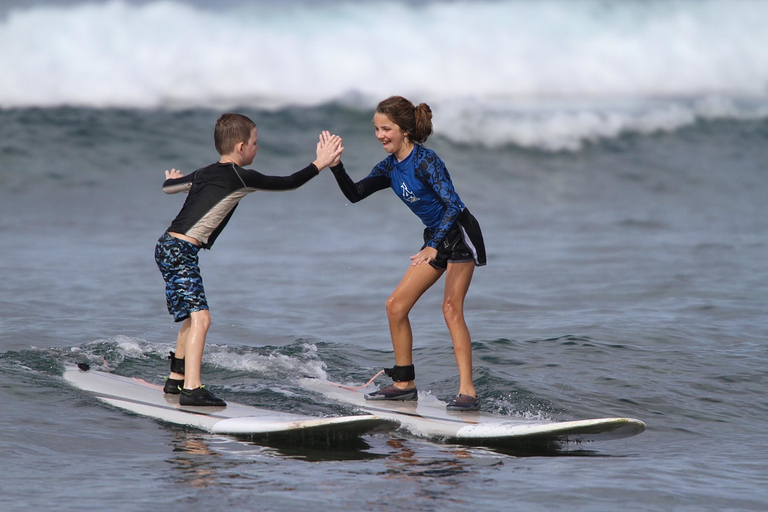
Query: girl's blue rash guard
{"type": "Point", "coordinates": [421, 181]}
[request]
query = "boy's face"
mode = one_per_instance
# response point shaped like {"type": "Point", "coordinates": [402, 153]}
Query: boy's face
{"type": "Point", "coordinates": [250, 148]}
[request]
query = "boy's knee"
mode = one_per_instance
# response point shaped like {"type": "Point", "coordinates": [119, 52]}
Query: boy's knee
{"type": "Point", "coordinates": [201, 319]}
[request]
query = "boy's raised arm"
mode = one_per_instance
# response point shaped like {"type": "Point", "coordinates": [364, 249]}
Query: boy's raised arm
{"type": "Point", "coordinates": [174, 183]}
{"type": "Point", "coordinates": [173, 174]}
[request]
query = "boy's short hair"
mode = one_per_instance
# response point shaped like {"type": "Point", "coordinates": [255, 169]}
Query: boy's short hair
{"type": "Point", "coordinates": [230, 129]}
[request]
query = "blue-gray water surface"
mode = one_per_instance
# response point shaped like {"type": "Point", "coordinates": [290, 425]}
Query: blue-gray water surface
{"type": "Point", "coordinates": [624, 280]}
{"type": "Point", "coordinates": [626, 277]}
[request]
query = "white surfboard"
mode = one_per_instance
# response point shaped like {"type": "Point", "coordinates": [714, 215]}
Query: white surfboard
{"type": "Point", "coordinates": [147, 399]}
{"type": "Point", "coordinates": [429, 418]}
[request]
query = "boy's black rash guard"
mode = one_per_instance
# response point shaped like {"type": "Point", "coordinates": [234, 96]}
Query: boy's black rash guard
{"type": "Point", "coordinates": [214, 192]}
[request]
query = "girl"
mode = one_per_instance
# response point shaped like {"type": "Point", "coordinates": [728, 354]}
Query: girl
{"type": "Point", "coordinates": [453, 242]}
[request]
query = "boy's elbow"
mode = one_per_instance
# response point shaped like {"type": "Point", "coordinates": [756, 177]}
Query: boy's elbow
{"type": "Point", "coordinates": [175, 188]}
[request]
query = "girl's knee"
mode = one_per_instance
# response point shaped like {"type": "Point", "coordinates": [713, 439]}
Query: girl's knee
{"type": "Point", "coordinates": [452, 312]}
{"type": "Point", "coordinates": [396, 308]}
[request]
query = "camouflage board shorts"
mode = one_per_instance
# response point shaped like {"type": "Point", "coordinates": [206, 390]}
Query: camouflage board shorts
{"type": "Point", "coordinates": [178, 262]}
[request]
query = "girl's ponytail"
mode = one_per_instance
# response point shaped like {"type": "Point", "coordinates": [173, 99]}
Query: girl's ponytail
{"type": "Point", "coordinates": [415, 121]}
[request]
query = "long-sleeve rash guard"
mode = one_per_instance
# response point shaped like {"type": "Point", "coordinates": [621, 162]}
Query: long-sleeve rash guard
{"type": "Point", "coordinates": [421, 181]}
{"type": "Point", "coordinates": [215, 191]}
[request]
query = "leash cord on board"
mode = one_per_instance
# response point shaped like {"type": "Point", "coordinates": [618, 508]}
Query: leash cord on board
{"type": "Point", "coordinates": [355, 388]}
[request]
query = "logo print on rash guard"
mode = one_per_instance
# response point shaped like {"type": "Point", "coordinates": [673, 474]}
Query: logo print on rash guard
{"type": "Point", "coordinates": [407, 194]}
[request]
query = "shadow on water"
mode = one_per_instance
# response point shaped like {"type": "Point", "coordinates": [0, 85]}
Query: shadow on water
{"type": "Point", "coordinates": [314, 447]}
{"type": "Point", "coordinates": [530, 448]}
{"type": "Point", "coordinates": [189, 442]}
{"type": "Point", "coordinates": [545, 450]}
{"type": "Point", "coordinates": [335, 448]}
{"type": "Point", "coordinates": [323, 448]}
{"type": "Point", "coordinates": [202, 460]}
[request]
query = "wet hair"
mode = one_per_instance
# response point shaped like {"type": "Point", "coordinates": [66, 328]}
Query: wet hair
{"type": "Point", "coordinates": [230, 129]}
{"type": "Point", "coordinates": [415, 121]}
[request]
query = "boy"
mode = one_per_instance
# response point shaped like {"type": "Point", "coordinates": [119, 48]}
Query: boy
{"type": "Point", "coordinates": [213, 194]}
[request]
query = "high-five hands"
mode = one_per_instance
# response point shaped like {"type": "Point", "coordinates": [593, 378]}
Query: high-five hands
{"type": "Point", "coordinates": [329, 150]}
{"type": "Point", "coordinates": [325, 138]}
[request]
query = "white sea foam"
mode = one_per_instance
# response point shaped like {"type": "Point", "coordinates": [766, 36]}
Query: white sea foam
{"type": "Point", "coordinates": [558, 126]}
{"type": "Point", "coordinates": [543, 74]}
{"type": "Point", "coordinates": [273, 364]}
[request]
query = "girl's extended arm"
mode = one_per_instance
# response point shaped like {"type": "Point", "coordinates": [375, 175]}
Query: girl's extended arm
{"type": "Point", "coordinates": [363, 188]}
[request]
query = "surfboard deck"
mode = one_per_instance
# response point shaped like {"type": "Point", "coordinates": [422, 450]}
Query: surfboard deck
{"type": "Point", "coordinates": [146, 399]}
{"type": "Point", "coordinates": [429, 418]}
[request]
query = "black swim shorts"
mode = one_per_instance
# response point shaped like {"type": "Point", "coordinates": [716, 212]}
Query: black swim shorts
{"type": "Point", "coordinates": [462, 244]}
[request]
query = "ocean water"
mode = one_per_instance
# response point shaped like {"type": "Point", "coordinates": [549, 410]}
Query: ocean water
{"type": "Point", "coordinates": [614, 153]}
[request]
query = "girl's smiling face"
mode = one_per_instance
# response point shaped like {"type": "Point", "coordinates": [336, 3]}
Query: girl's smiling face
{"type": "Point", "coordinates": [391, 136]}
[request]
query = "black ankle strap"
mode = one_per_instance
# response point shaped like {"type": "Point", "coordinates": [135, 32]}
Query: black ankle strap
{"type": "Point", "coordinates": [401, 373]}
{"type": "Point", "coordinates": [177, 365]}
